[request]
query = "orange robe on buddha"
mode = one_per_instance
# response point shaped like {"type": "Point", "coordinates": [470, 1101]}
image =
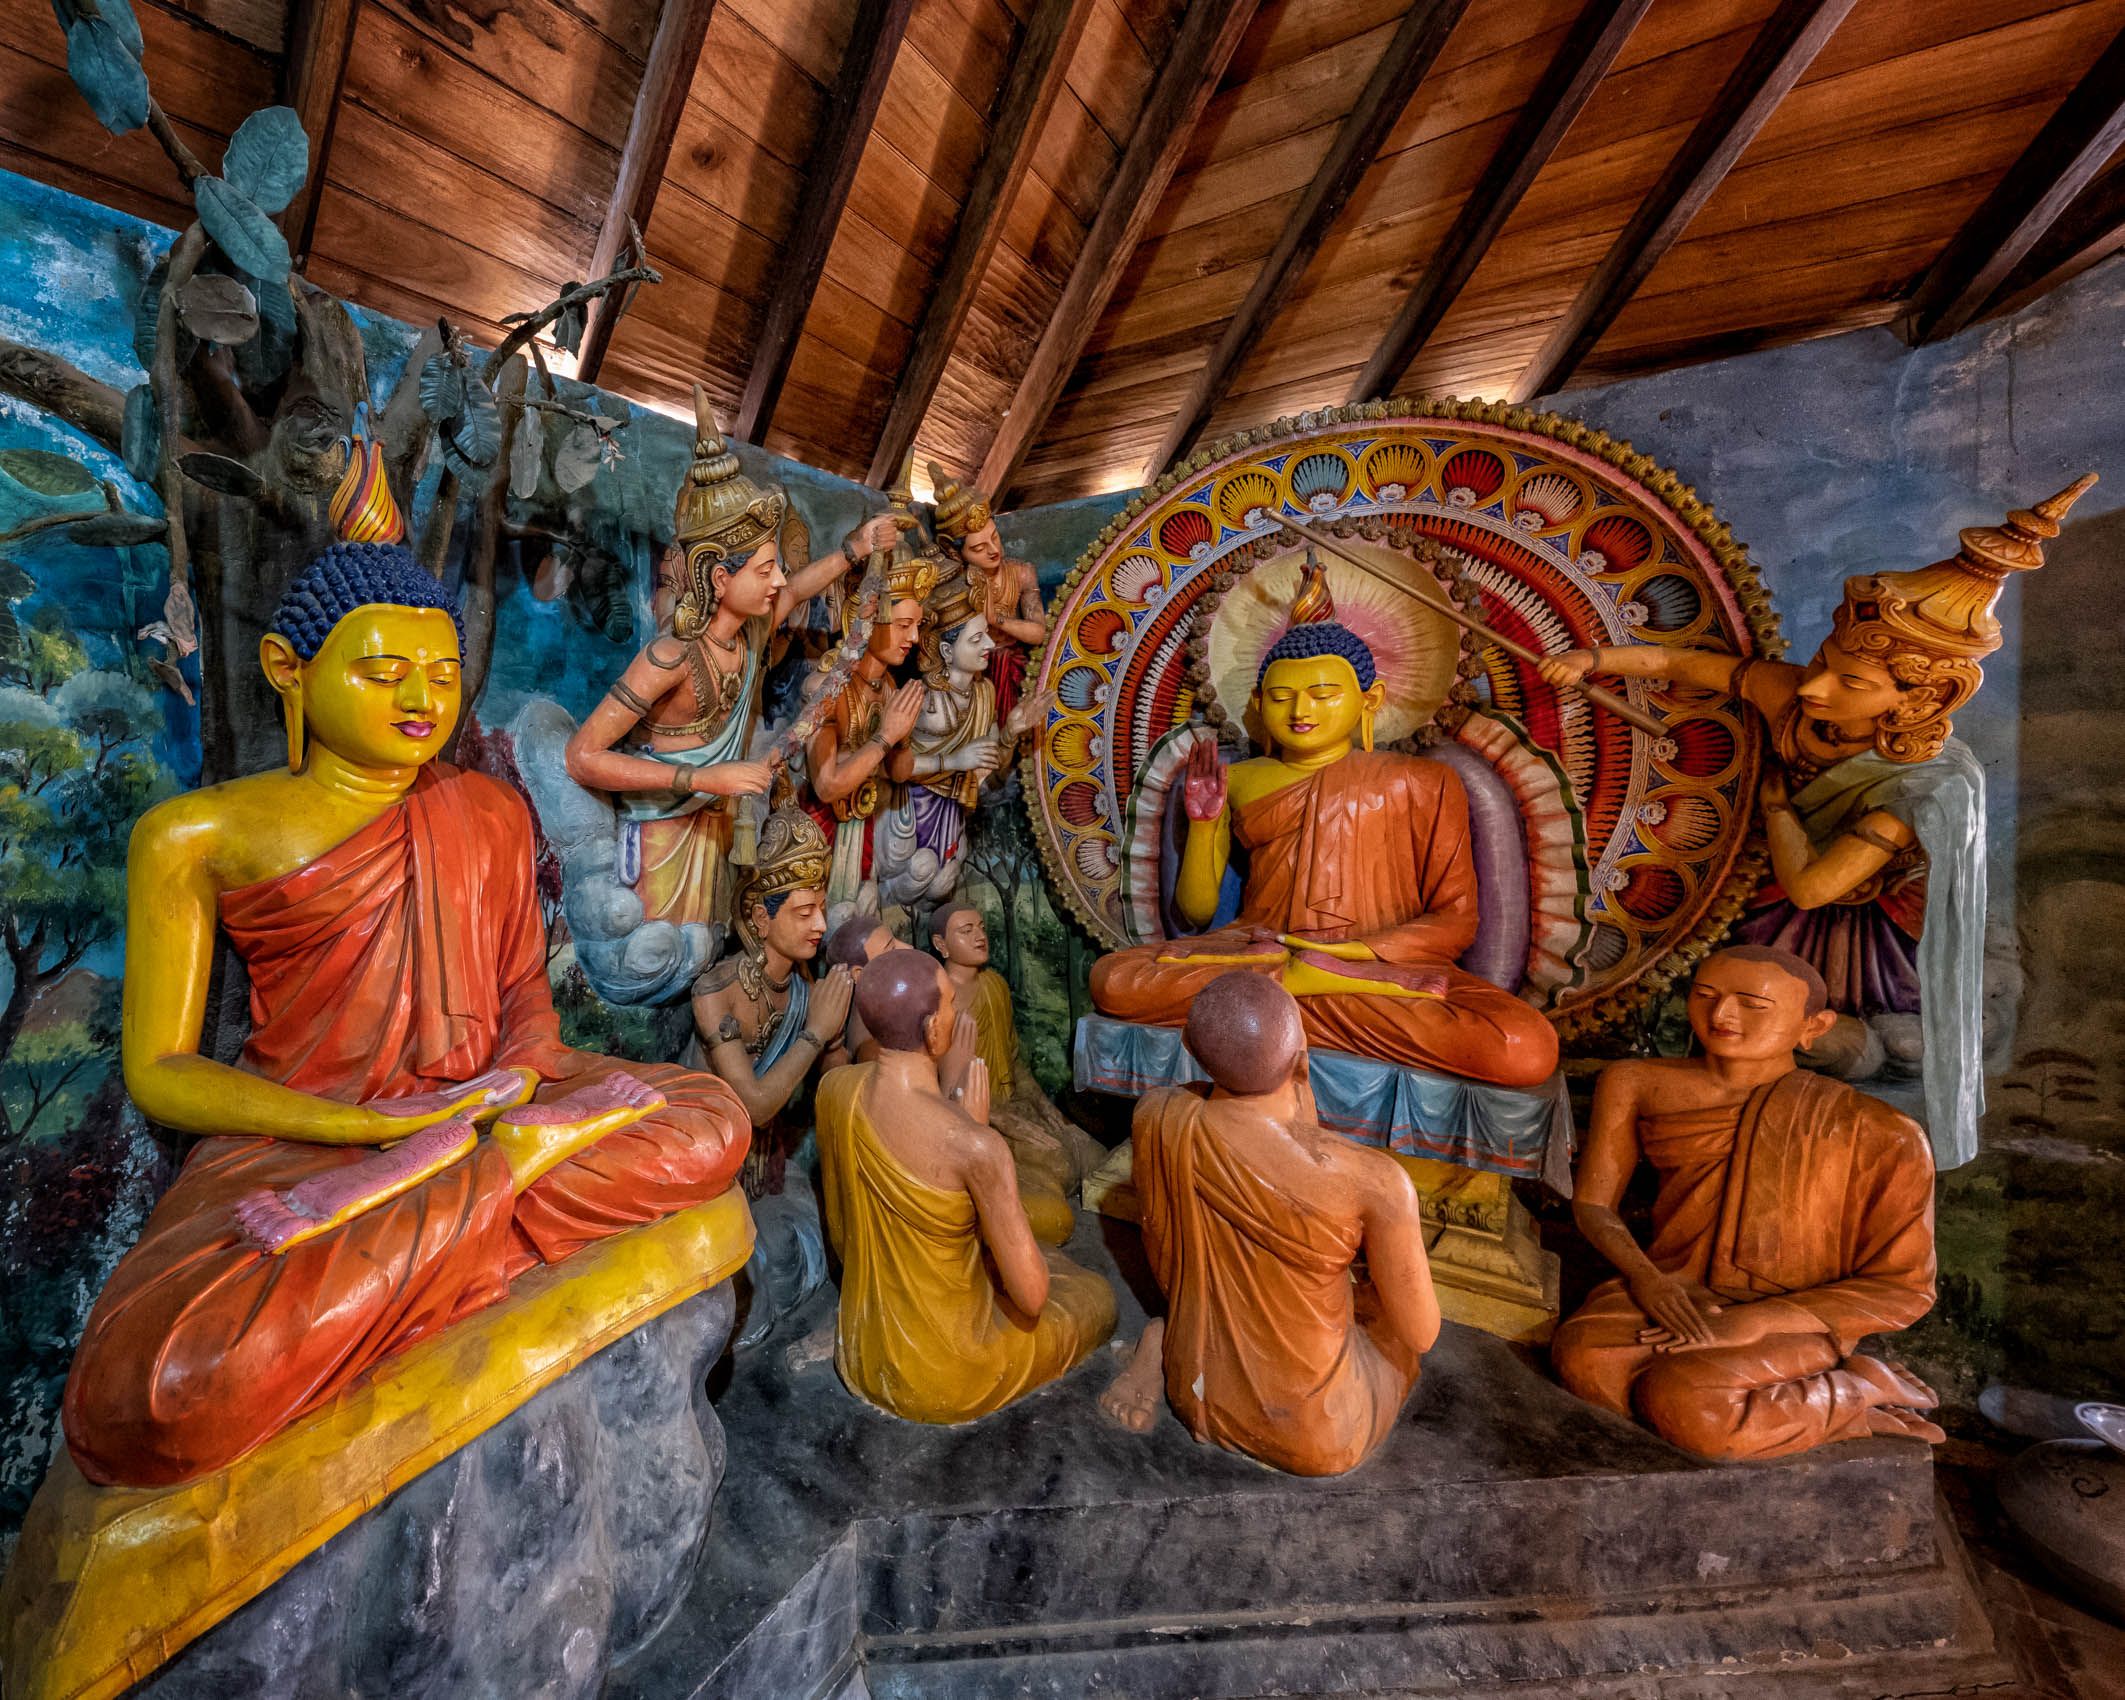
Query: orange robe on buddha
{"type": "Point", "coordinates": [1810, 1197]}
{"type": "Point", "coordinates": [1267, 1350]}
{"type": "Point", "coordinates": [1373, 848]}
{"type": "Point", "coordinates": [409, 957]}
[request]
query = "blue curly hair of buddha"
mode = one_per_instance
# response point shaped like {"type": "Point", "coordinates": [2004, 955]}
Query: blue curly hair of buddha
{"type": "Point", "coordinates": [348, 576]}
{"type": "Point", "coordinates": [1311, 639]}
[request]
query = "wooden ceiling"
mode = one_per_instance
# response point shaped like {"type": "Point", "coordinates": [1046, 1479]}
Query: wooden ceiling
{"type": "Point", "coordinates": [1060, 241]}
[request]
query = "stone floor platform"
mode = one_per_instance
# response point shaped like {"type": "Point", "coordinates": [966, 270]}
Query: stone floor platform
{"type": "Point", "coordinates": [1507, 1540]}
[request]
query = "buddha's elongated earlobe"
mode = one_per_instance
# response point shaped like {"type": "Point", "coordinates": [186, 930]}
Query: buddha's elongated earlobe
{"type": "Point", "coordinates": [283, 669]}
{"type": "Point", "coordinates": [291, 714]}
{"type": "Point", "coordinates": [1365, 728]}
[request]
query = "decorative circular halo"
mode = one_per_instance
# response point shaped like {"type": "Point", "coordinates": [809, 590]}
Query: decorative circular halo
{"type": "Point", "coordinates": [1556, 536]}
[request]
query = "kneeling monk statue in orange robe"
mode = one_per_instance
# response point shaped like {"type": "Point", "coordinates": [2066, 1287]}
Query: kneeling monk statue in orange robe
{"type": "Point", "coordinates": [384, 904]}
{"type": "Point", "coordinates": [1360, 889]}
{"type": "Point", "coordinates": [950, 1308]}
{"type": "Point", "coordinates": [1253, 1216]}
{"type": "Point", "coordinates": [1794, 1218]}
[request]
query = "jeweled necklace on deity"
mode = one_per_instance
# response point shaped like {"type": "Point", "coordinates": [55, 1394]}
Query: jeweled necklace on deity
{"type": "Point", "coordinates": [755, 983]}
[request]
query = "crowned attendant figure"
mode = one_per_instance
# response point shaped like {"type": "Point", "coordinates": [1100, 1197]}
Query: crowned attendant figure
{"type": "Point", "coordinates": [957, 744]}
{"type": "Point", "coordinates": [1359, 891]}
{"type": "Point", "coordinates": [671, 738]}
{"type": "Point", "coordinates": [860, 726]}
{"type": "Point", "coordinates": [761, 1023]}
{"type": "Point", "coordinates": [1003, 589]}
{"type": "Point", "coordinates": [1875, 815]}
{"type": "Point", "coordinates": [404, 1133]}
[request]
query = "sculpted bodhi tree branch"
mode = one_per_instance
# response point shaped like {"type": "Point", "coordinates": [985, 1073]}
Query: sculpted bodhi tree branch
{"type": "Point", "coordinates": [256, 395]}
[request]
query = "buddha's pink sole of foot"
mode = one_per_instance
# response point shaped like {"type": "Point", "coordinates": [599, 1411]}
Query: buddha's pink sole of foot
{"type": "Point", "coordinates": [277, 1220]}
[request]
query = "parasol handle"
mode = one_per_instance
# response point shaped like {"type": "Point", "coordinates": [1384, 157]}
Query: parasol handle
{"type": "Point", "coordinates": [1439, 604]}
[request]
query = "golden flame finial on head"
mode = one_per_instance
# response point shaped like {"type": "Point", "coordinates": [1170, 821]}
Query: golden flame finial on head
{"type": "Point", "coordinates": [1314, 604]}
{"type": "Point", "coordinates": [959, 512]}
{"type": "Point", "coordinates": [793, 855]}
{"type": "Point", "coordinates": [1931, 627]}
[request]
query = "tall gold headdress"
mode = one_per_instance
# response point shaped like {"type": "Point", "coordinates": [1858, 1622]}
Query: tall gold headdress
{"type": "Point", "coordinates": [1930, 628]}
{"type": "Point", "coordinates": [722, 517]}
{"type": "Point", "coordinates": [793, 856]}
{"type": "Point", "coordinates": [960, 512]}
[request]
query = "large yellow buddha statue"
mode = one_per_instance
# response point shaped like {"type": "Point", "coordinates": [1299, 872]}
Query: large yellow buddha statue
{"type": "Point", "coordinates": [1360, 886]}
{"type": "Point", "coordinates": [384, 904]}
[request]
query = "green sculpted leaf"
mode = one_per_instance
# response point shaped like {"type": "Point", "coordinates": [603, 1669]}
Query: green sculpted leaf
{"type": "Point", "coordinates": [108, 73]}
{"type": "Point", "coordinates": [220, 309]}
{"type": "Point", "coordinates": [142, 436]}
{"type": "Point", "coordinates": [118, 14]}
{"type": "Point", "coordinates": [527, 454]}
{"type": "Point", "coordinates": [478, 437]}
{"type": "Point", "coordinates": [575, 462]}
{"type": "Point", "coordinates": [117, 531]}
{"type": "Point", "coordinates": [146, 311]}
{"type": "Point", "coordinates": [268, 157]}
{"type": "Point", "coordinates": [222, 475]}
{"type": "Point", "coordinates": [241, 231]}
{"type": "Point", "coordinates": [442, 388]}
{"type": "Point", "coordinates": [47, 474]}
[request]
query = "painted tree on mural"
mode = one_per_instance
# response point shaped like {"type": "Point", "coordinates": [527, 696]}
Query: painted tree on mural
{"type": "Point", "coordinates": [257, 385]}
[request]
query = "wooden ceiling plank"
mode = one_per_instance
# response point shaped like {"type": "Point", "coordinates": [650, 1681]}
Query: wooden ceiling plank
{"type": "Point", "coordinates": [873, 44]}
{"type": "Point", "coordinates": [2075, 143]}
{"type": "Point", "coordinates": [1395, 79]}
{"type": "Point", "coordinates": [2088, 232]}
{"type": "Point", "coordinates": [1781, 51]}
{"type": "Point", "coordinates": [660, 102]}
{"type": "Point", "coordinates": [1567, 85]}
{"type": "Point", "coordinates": [1209, 33]}
{"type": "Point", "coordinates": [313, 75]}
{"type": "Point", "coordinates": [1040, 62]}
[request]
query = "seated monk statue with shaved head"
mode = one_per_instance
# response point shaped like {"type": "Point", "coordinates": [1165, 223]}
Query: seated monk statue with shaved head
{"type": "Point", "coordinates": [1254, 1218]}
{"type": "Point", "coordinates": [385, 906]}
{"type": "Point", "coordinates": [1360, 885]}
{"type": "Point", "coordinates": [950, 1309]}
{"type": "Point", "coordinates": [1794, 1219]}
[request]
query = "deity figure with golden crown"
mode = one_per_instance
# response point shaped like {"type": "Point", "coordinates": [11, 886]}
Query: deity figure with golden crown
{"type": "Point", "coordinates": [959, 742]}
{"type": "Point", "coordinates": [671, 739]}
{"type": "Point", "coordinates": [1874, 813]}
{"type": "Point", "coordinates": [761, 1020]}
{"type": "Point", "coordinates": [859, 722]}
{"type": "Point", "coordinates": [1005, 591]}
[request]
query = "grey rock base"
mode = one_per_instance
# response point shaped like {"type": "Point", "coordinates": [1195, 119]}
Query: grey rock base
{"type": "Point", "coordinates": [526, 1563]}
{"type": "Point", "coordinates": [1507, 1539]}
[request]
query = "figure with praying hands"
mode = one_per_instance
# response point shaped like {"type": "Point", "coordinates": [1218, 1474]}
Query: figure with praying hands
{"type": "Point", "coordinates": [1298, 1295]}
{"type": "Point", "coordinates": [1359, 890]}
{"type": "Point", "coordinates": [950, 1307]}
{"type": "Point", "coordinates": [1005, 591]}
{"type": "Point", "coordinates": [405, 1132]}
{"type": "Point", "coordinates": [1794, 1219]}
{"type": "Point", "coordinates": [761, 1023]}
{"type": "Point", "coordinates": [671, 741]}
{"type": "Point", "coordinates": [1873, 812]}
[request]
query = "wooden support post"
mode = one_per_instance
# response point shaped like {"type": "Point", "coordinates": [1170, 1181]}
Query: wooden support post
{"type": "Point", "coordinates": [2074, 144]}
{"type": "Point", "coordinates": [873, 44]}
{"type": "Point", "coordinates": [1782, 51]}
{"type": "Point", "coordinates": [1394, 80]}
{"type": "Point", "coordinates": [312, 74]}
{"type": "Point", "coordinates": [1038, 66]}
{"type": "Point", "coordinates": [1566, 86]}
{"type": "Point", "coordinates": [1209, 32]}
{"type": "Point", "coordinates": [660, 102]}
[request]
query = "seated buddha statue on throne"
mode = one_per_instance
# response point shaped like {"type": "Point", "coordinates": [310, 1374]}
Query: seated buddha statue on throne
{"type": "Point", "coordinates": [1359, 891]}
{"type": "Point", "coordinates": [385, 906]}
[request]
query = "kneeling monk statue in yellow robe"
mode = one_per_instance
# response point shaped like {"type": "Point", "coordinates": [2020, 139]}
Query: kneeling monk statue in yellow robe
{"type": "Point", "coordinates": [385, 906]}
{"type": "Point", "coordinates": [950, 1308]}
{"type": "Point", "coordinates": [1254, 1217]}
{"type": "Point", "coordinates": [1360, 889]}
{"type": "Point", "coordinates": [1794, 1218]}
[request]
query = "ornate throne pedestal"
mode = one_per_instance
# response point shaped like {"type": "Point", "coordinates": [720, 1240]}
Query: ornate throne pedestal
{"type": "Point", "coordinates": [1463, 1145]}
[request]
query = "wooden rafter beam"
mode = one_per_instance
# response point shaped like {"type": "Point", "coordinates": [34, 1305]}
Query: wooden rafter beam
{"type": "Point", "coordinates": [2088, 232]}
{"type": "Point", "coordinates": [1569, 82]}
{"type": "Point", "coordinates": [873, 44]}
{"type": "Point", "coordinates": [1782, 51]}
{"type": "Point", "coordinates": [660, 102]}
{"type": "Point", "coordinates": [1395, 79]}
{"type": "Point", "coordinates": [1039, 64]}
{"type": "Point", "coordinates": [1209, 32]}
{"type": "Point", "coordinates": [2074, 144]}
{"type": "Point", "coordinates": [312, 73]}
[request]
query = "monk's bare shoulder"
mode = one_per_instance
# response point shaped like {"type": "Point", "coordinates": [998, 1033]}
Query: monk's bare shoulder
{"type": "Point", "coordinates": [198, 828]}
{"type": "Point", "coordinates": [1385, 1186]}
{"type": "Point", "coordinates": [1257, 776]}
